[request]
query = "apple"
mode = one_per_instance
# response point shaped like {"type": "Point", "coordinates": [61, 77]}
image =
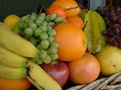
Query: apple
{"type": "Point", "coordinates": [58, 70]}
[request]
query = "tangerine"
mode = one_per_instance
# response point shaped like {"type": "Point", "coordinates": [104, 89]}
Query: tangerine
{"type": "Point", "coordinates": [72, 41]}
{"type": "Point", "coordinates": [59, 11]}
{"type": "Point", "coordinates": [70, 6]}
{"type": "Point", "coordinates": [19, 84]}
{"type": "Point", "coordinates": [84, 70]}
{"type": "Point", "coordinates": [76, 20]}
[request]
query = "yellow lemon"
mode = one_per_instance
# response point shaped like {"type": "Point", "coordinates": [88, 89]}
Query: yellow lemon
{"type": "Point", "coordinates": [11, 20]}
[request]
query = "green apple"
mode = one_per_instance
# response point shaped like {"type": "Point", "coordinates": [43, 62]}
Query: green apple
{"type": "Point", "coordinates": [110, 60]}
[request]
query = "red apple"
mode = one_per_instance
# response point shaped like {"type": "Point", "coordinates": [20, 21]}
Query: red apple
{"type": "Point", "coordinates": [58, 71]}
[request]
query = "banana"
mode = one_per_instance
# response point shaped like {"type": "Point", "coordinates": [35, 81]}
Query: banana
{"type": "Point", "coordinates": [40, 78]}
{"type": "Point", "coordinates": [11, 59]}
{"type": "Point", "coordinates": [16, 43]}
{"type": "Point", "coordinates": [12, 73]}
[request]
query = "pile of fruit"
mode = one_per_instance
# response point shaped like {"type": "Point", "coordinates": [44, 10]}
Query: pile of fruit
{"type": "Point", "coordinates": [50, 49]}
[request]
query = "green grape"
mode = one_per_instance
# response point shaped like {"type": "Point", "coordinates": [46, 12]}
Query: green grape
{"type": "Point", "coordinates": [47, 18]}
{"type": "Point", "coordinates": [43, 54]}
{"type": "Point", "coordinates": [49, 28]}
{"type": "Point", "coordinates": [43, 35]}
{"type": "Point", "coordinates": [26, 25]}
{"type": "Point", "coordinates": [58, 19]}
{"type": "Point", "coordinates": [20, 24]}
{"type": "Point", "coordinates": [16, 29]}
{"type": "Point", "coordinates": [45, 23]}
{"type": "Point", "coordinates": [37, 32]}
{"type": "Point", "coordinates": [33, 25]}
{"type": "Point", "coordinates": [24, 18]}
{"type": "Point", "coordinates": [40, 18]}
{"type": "Point", "coordinates": [33, 16]}
{"type": "Point", "coordinates": [40, 61]}
{"type": "Point", "coordinates": [50, 39]}
{"type": "Point", "coordinates": [47, 59]}
{"type": "Point", "coordinates": [43, 15]}
{"type": "Point", "coordinates": [28, 19]}
{"type": "Point", "coordinates": [52, 16]}
{"type": "Point", "coordinates": [54, 56]}
{"type": "Point", "coordinates": [30, 22]}
{"type": "Point", "coordinates": [44, 44]}
{"type": "Point", "coordinates": [54, 44]}
{"type": "Point", "coordinates": [28, 31]}
{"type": "Point", "coordinates": [39, 47]}
{"type": "Point", "coordinates": [37, 58]}
{"type": "Point", "coordinates": [33, 40]}
{"type": "Point", "coordinates": [51, 32]}
{"type": "Point", "coordinates": [52, 50]}
{"type": "Point", "coordinates": [64, 20]}
{"type": "Point", "coordinates": [43, 27]}
{"type": "Point", "coordinates": [38, 22]}
{"type": "Point", "coordinates": [51, 24]}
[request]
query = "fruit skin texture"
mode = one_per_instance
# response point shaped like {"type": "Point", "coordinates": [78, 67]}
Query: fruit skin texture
{"type": "Point", "coordinates": [67, 5]}
{"type": "Point", "coordinates": [58, 71]}
{"type": "Point", "coordinates": [16, 43]}
{"type": "Point", "coordinates": [11, 59]}
{"type": "Point", "coordinates": [84, 70]}
{"type": "Point", "coordinates": [76, 20]}
{"type": "Point", "coordinates": [72, 41]}
{"type": "Point", "coordinates": [19, 84]}
{"type": "Point", "coordinates": [41, 79]}
{"type": "Point", "coordinates": [59, 11]}
{"type": "Point", "coordinates": [110, 60]}
{"type": "Point", "coordinates": [11, 20]}
{"type": "Point", "coordinates": [12, 73]}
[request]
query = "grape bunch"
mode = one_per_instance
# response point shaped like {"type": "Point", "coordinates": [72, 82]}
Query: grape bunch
{"type": "Point", "coordinates": [38, 29]}
{"type": "Point", "coordinates": [112, 17]}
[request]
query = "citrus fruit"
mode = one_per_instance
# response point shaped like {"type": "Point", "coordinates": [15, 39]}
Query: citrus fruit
{"type": "Point", "coordinates": [76, 20]}
{"type": "Point", "coordinates": [11, 20]}
{"type": "Point", "coordinates": [72, 41]}
{"type": "Point", "coordinates": [70, 6]}
{"type": "Point", "coordinates": [19, 84]}
{"type": "Point", "coordinates": [59, 11]}
{"type": "Point", "coordinates": [84, 70]}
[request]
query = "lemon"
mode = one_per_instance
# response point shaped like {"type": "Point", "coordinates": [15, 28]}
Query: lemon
{"type": "Point", "coordinates": [11, 20]}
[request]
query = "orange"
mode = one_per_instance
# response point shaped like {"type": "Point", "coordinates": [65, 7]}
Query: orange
{"type": "Point", "coordinates": [70, 6]}
{"type": "Point", "coordinates": [72, 41]}
{"type": "Point", "coordinates": [20, 84]}
{"type": "Point", "coordinates": [84, 70]}
{"type": "Point", "coordinates": [76, 20]}
{"type": "Point", "coordinates": [59, 11]}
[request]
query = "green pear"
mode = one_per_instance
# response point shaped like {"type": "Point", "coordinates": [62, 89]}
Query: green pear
{"type": "Point", "coordinates": [110, 60]}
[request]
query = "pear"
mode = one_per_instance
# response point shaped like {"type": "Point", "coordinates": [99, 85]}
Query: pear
{"type": "Point", "coordinates": [110, 60]}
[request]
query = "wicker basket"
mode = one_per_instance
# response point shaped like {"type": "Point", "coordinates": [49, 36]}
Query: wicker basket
{"type": "Point", "coordinates": [112, 82]}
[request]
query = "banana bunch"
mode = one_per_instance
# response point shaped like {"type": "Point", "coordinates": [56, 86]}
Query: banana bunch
{"type": "Point", "coordinates": [18, 60]}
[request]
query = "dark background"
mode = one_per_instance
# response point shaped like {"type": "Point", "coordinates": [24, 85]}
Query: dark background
{"type": "Point", "coordinates": [23, 7]}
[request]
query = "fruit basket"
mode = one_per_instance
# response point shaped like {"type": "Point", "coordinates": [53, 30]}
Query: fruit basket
{"type": "Point", "coordinates": [106, 80]}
